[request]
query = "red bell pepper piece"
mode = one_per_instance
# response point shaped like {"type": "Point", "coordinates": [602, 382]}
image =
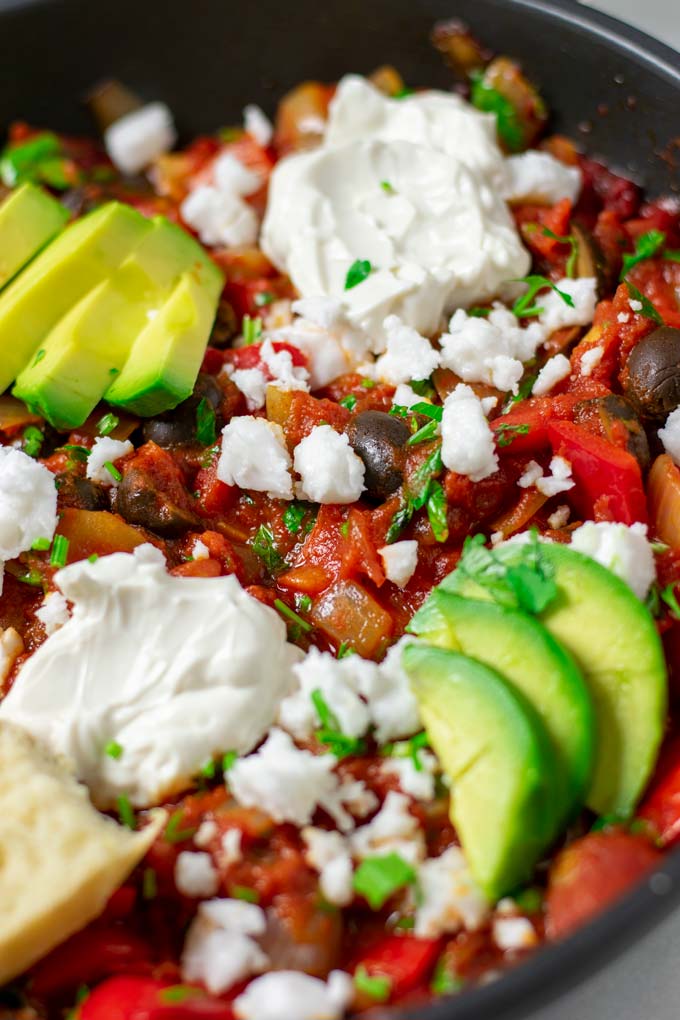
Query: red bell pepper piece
{"type": "Point", "coordinates": [87, 957]}
{"type": "Point", "coordinates": [608, 479]}
{"type": "Point", "coordinates": [661, 806]}
{"type": "Point", "coordinates": [405, 960]}
{"type": "Point", "coordinates": [128, 997]}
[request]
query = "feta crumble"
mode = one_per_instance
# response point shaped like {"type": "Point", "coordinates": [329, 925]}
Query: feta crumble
{"type": "Point", "coordinates": [220, 217]}
{"type": "Point", "coordinates": [28, 502]}
{"type": "Point", "coordinates": [400, 560]}
{"type": "Point", "coordinates": [591, 359]}
{"type": "Point", "coordinates": [328, 853]}
{"type": "Point", "coordinates": [622, 549]}
{"type": "Point", "coordinates": [106, 451]}
{"type": "Point", "coordinates": [206, 833]}
{"type": "Point", "coordinates": [448, 897]}
{"type": "Point", "coordinates": [200, 550]}
{"type": "Point", "coordinates": [283, 994]}
{"type": "Point", "coordinates": [532, 472]}
{"type": "Point", "coordinates": [394, 709]}
{"type": "Point", "coordinates": [54, 612]}
{"type": "Point", "coordinates": [557, 313]}
{"type": "Point", "coordinates": [514, 933]}
{"type": "Point", "coordinates": [408, 355]}
{"type": "Point", "coordinates": [219, 949]}
{"type": "Point", "coordinates": [195, 874]}
{"type": "Point", "coordinates": [539, 177]}
{"type": "Point", "coordinates": [559, 479]}
{"type": "Point", "coordinates": [231, 851]}
{"type": "Point", "coordinates": [559, 517]}
{"type": "Point", "coordinates": [138, 138]}
{"type": "Point", "coordinates": [329, 469]}
{"type": "Point", "coordinates": [670, 435]}
{"type": "Point", "coordinates": [405, 396]}
{"type": "Point", "coordinates": [254, 456]}
{"type": "Point", "coordinates": [258, 125]}
{"type": "Point", "coordinates": [231, 176]}
{"type": "Point", "coordinates": [252, 383]}
{"type": "Point", "coordinates": [415, 781]}
{"type": "Point", "coordinates": [337, 681]}
{"type": "Point", "coordinates": [553, 372]}
{"type": "Point", "coordinates": [394, 830]}
{"type": "Point", "coordinates": [284, 373]}
{"type": "Point", "coordinates": [491, 350]}
{"type": "Point", "coordinates": [468, 445]}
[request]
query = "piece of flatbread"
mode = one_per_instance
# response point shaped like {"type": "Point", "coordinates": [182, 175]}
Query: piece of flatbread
{"type": "Point", "coordinates": [60, 859]}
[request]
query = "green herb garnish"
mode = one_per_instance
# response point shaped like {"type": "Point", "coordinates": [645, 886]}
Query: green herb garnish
{"type": "Point", "coordinates": [244, 892]}
{"type": "Point", "coordinates": [350, 402]}
{"type": "Point", "coordinates": [264, 546]}
{"type": "Point", "coordinates": [33, 439]}
{"type": "Point", "coordinates": [41, 545]}
{"type": "Point", "coordinates": [59, 553]}
{"type": "Point", "coordinates": [251, 329]}
{"type": "Point", "coordinates": [291, 615]}
{"type": "Point", "coordinates": [113, 471]}
{"type": "Point", "coordinates": [293, 517]}
{"type": "Point", "coordinates": [574, 246]}
{"type": "Point", "coordinates": [113, 749]}
{"type": "Point", "coordinates": [669, 597]}
{"type": "Point", "coordinates": [505, 433]}
{"type": "Point", "coordinates": [524, 308]}
{"type": "Point", "coordinates": [107, 424]}
{"type": "Point", "coordinates": [173, 833]}
{"type": "Point", "coordinates": [646, 247]}
{"type": "Point", "coordinates": [375, 986]}
{"type": "Point", "coordinates": [359, 271]}
{"type": "Point", "coordinates": [436, 512]}
{"type": "Point", "coordinates": [229, 760]}
{"type": "Point", "coordinates": [263, 298]}
{"type": "Point", "coordinates": [379, 878]}
{"type": "Point", "coordinates": [205, 423]}
{"type": "Point", "coordinates": [126, 812]}
{"type": "Point", "coordinates": [648, 309]}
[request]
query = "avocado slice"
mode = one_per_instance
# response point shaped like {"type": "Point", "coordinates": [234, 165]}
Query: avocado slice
{"type": "Point", "coordinates": [90, 345]}
{"type": "Point", "coordinates": [166, 356]}
{"type": "Point", "coordinates": [493, 747]}
{"type": "Point", "coordinates": [612, 637]}
{"type": "Point", "coordinates": [80, 258]}
{"type": "Point", "coordinates": [29, 218]}
{"type": "Point", "coordinates": [527, 656]}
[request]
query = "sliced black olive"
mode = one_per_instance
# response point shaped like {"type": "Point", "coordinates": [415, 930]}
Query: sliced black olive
{"type": "Point", "coordinates": [139, 502]}
{"type": "Point", "coordinates": [380, 440]}
{"type": "Point", "coordinates": [178, 427]}
{"type": "Point", "coordinates": [226, 325]}
{"type": "Point", "coordinates": [591, 260]}
{"type": "Point", "coordinates": [81, 493]}
{"type": "Point", "coordinates": [653, 384]}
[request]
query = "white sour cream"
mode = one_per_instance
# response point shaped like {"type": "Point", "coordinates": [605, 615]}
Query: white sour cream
{"type": "Point", "coordinates": [172, 669]}
{"type": "Point", "coordinates": [414, 187]}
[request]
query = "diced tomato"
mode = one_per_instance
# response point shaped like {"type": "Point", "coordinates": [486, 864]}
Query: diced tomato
{"type": "Point", "coordinates": [593, 872]}
{"type": "Point", "coordinates": [608, 480]}
{"type": "Point", "coordinates": [405, 960]}
{"type": "Point", "coordinates": [214, 496]}
{"type": "Point", "coordinates": [141, 998]}
{"type": "Point", "coordinates": [251, 356]}
{"type": "Point", "coordinates": [661, 806]}
{"type": "Point", "coordinates": [360, 555]}
{"type": "Point", "coordinates": [307, 411]}
{"type": "Point", "coordinates": [242, 294]}
{"type": "Point", "coordinates": [89, 956]}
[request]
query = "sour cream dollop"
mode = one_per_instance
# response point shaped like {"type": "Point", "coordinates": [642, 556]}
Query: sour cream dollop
{"type": "Point", "coordinates": [166, 670]}
{"type": "Point", "coordinates": [414, 187]}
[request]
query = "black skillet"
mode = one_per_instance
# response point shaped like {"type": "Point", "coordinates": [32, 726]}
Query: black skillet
{"type": "Point", "coordinates": [609, 86]}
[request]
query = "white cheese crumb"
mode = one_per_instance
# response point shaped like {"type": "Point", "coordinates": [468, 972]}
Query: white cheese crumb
{"type": "Point", "coordinates": [54, 612]}
{"type": "Point", "coordinates": [254, 456]}
{"type": "Point", "coordinates": [283, 994]}
{"type": "Point", "coordinates": [623, 550]}
{"type": "Point", "coordinates": [404, 396]}
{"type": "Point", "coordinates": [491, 350]}
{"type": "Point", "coordinates": [258, 125]}
{"type": "Point", "coordinates": [219, 949]}
{"type": "Point", "coordinates": [448, 897]}
{"type": "Point", "coordinates": [285, 374]}
{"type": "Point", "coordinates": [408, 355]}
{"type": "Point", "coordinates": [400, 561]}
{"type": "Point", "coordinates": [106, 451]}
{"type": "Point", "coordinates": [635, 306]}
{"type": "Point", "coordinates": [337, 681]}
{"type": "Point", "coordinates": [557, 313]}
{"type": "Point", "coordinates": [28, 502]}
{"type": "Point", "coordinates": [553, 372]}
{"type": "Point", "coordinates": [329, 469]}
{"type": "Point", "coordinates": [416, 782]}
{"type": "Point", "coordinates": [200, 550]}
{"type": "Point", "coordinates": [539, 177]}
{"type": "Point", "coordinates": [231, 176]}
{"type": "Point", "coordinates": [195, 875]}
{"type": "Point", "coordinates": [393, 830]}
{"type": "Point", "coordinates": [206, 833]}
{"type": "Point", "coordinates": [138, 138]}
{"type": "Point", "coordinates": [468, 445]}
{"type": "Point", "coordinates": [328, 853]}
{"type": "Point", "coordinates": [670, 435]}
{"type": "Point", "coordinates": [11, 647]}
{"type": "Point", "coordinates": [394, 709]}
{"type": "Point", "coordinates": [532, 472]}
{"type": "Point", "coordinates": [559, 517]}
{"type": "Point", "coordinates": [231, 851]}
{"type": "Point", "coordinates": [623, 317]}
{"type": "Point", "coordinates": [513, 933]}
{"type": "Point", "coordinates": [219, 217]}
{"type": "Point", "coordinates": [252, 383]}
{"type": "Point", "coordinates": [559, 479]}
{"type": "Point", "coordinates": [591, 359]}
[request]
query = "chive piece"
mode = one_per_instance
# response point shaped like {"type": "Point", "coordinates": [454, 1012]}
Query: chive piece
{"type": "Point", "coordinates": [78, 453]}
{"type": "Point", "coordinates": [126, 812]}
{"type": "Point", "coordinates": [244, 892]}
{"type": "Point", "coordinates": [229, 760]}
{"type": "Point", "coordinates": [428, 431]}
{"type": "Point", "coordinates": [379, 878]}
{"type": "Point", "coordinates": [206, 432]}
{"type": "Point", "coordinates": [263, 298]}
{"type": "Point", "coordinates": [292, 615]}
{"type": "Point", "coordinates": [350, 402]}
{"type": "Point", "coordinates": [326, 716]}
{"type": "Point", "coordinates": [107, 424]}
{"type": "Point", "coordinates": [113, 749]}
{"type": "Point", "coordinates": [251, 329]}
{"type": "Point", "coordinates": [149, 884]}
{"type": "Point", "coordinates": [113, 471]}
{"type": "Point", "coordinates": [293, 516]}
{"type": "Point", "coordinates": [339, 744]}
{"type": "Point", "coordinates": [173, 833]}
{"type": "Point", "coordinates": [368, 384]}
{"type": "Point", "coordinates": [59, 553]}
{"type": "Point", "coordinates": [33, 439]}
{"type": "Point", "coordinates": [359, 271]}
{"type": "Point", "coordinates": [344, 650]}
{"type": "Point", "coordinates": [41, 545]}
{"type": "Point", "coordinates": [375, 986]}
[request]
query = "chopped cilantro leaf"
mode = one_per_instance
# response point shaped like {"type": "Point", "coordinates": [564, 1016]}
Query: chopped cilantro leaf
{"type": "Point", "coordinates": [113, 749]}
{"type": "Point", "coordinates": [33, 439]}
{"type": "Point", "coordinates": [436, 512]}
{"type": "Point", "coordinates": [205, 423]}
{"type": "Point", "coordinates": [506, 433]}
{"type": "Point", "coordinates": [375, 986]}
{"type": "Point", "coordinates": [350, 402]}
{"type": "Point", "coordinates": [359, 271]}
{"type": "Point", "coordinates": [399, 411]}
{"type": "Point", "coordinates": [490, 100]}
{"type": "Point", "coordinates": [149, 884]}
{"type": "Point", "coordinates": [646, 246]}
{"type": "Point", "coordinates": [387, 187]}
{"type": "Point", "coordinates": [379, 878]}
{"type": "Point", "coordinates": [524, 308]}
{"type": "Point", "coordinates": [433, 411]}
{"type": "Point", "coordinates": [264, 546]}
{"type": "Point", "coordinates": [648, 309]}
{"type": "Point", "coordinates": [573, 254]}
{"type": "Point", "coordinates": [293, 517]}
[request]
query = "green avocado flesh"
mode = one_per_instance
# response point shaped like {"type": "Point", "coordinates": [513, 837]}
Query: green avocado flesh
{"type": "Point", "coordinates": [79, 259]}
{"type": "Point", "coordinates": [527, 656]}
{"type": "Point", "coordinates": [612, 637]}
{"type": "Point", "coordinates": [494, 749]}
{"type": "Point", "coordinates": [166, 356]}
{"type": "Point", "coordinates": [89, 346]}
{"type": "Point", "coordinates": [29, 218]}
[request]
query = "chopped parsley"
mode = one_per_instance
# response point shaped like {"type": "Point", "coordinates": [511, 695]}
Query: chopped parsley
{"type": "Point", "coordinates": [437, 512]}
{"type": "Point", "coordinates": [399, 411]}
{"type": "Point", "coordinates": [264, 546]}
{"type": "Point", "coordinates": [41, 545]}
{"type": "Point", "coordinates": [375, 986]}
{"type": "Point", "coordinates": [304, 603]}
{"type": "Point", "coordinates": [292, 616]}
{"type": "Point", "coordinates": [646, 247]}
{"type": "Point", "coordinates": [229, 760]}
{"type": "Point", "coordinates": [206, 432]}
{"type": "Point", "coordinates": [669, 597]}
{"type": "Point", "coordinates": [573, 244]}
{"type": "Point", "coordinates": [526, 582]}
{"type": "Point", "coordinates": [59, 552]}
{"type": "Point", "coordinates": [113, 749]}
{"type": "Point", "coordinates": [330, 733]}
{"type": "Point", "coordinates": [107, 424]}
{"type": "Point", "coordinates": [113, 471]}
{"type": "Point", "coordinates": [350, 402]}
{"type": "Point", "coordinates": [648, 309]}
{"type": "Point", "coordinates": [421, 489]}
{"type": "Point", "coordinates": [244, 892]}
{"type": "Point", "coordinates": [293, 517]}
{"type": "Point", "coordinates": [33, 439]}
{"type": "Point", "coordinates": [379, 878]}
{"type": "Point", "coordinates": [490, 100]}
{"type": "Point", "coordinates": [359, 271]}
{"type": "Point", "coordinates": [424, 433]}
{"type": "Point", "coordinates": [387, 187]}
{"type": "Point", "coordinates": [524, 308]}
{"type": "Point", "coordinates": [505, 433]}
{"type": "Point", "coordinates": [126, 812]}
{"type": "Point", "coordinates": [251, 329]}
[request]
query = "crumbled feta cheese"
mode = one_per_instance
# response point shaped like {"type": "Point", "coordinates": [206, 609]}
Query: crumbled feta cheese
{"type": "Point", "coordinates": [491, 350]}
{"type": "Point", "coordinates": [408, 355]}
{"type": "Point", "coordinates": [532, 472]}
{"type": "Point", "coordinates": [220, 217]}
{"type": "Point", "coordinates": [326, 356]}
{"type": "Point", "coordinates": [538, 177]}
{"type": "Point", "coordinates": [231, 851]}
{"type": "Point", "coordinates": [11, 647]}
{"type": "Point", "coordinates": [54, 612]}
{"type": "Point", "coordinates": [393, 830]}
{"type": "Point", "coordinates": [400, 561]}
{"type": "Point", "coordinates": [553, 372]}
{"type": "Point", "coordinates": [416, 781]}
{"type": "Point", "coordinates": [591, 359]}
{"type": "Point", "coordinates": [206, 833]}
{"type": "Point", "coordinates": [252, 382]}
{"type": "Point", "coordinates": [219, 949]}
{"type": "Point", "coordinates": [106, 451]}
{"type": "Point", "coordinates": [138, 138]}
{"type": "Point", "coordinates": [404, 396]}
{"type": "Point", "coordinates": [670, 435]}
{"type": "Point", "coordinates": [283, 994]}
{"type": "Point", "coordinates": [394, 709]}
{"type": "Point", "coordinates": [231, 176]}
{"type": "Point", "coordinates": [328, 853]}
{"type": "Point", "coordinates": [635, 306]}
{"type": "Point", "coordinates": [497, 537]}
{"type": "Point", "coordinates": [285, 374]}
{"type": "Point", "coordinates": [557, 313]}
{"type": "Point", "coordinates": [514, 933]}
{"type": "Point", "coordinates": [356, 797]}
{"type": "Point", "coordinates": [255, 456]}
{"type": "Point", "coordinates": [336, 680]}
{"type": "Point", "coordinates": [448, 898]}
{"type": "Point", "coordinates": [195, 874]}
{"type": "Point", "coordinates": [468, 445]}
{"type": "Point", "coordinates": [623, 317]}
{"type": "Point", "coordinates": [323, 311]}
{"type": "Point", "coordinates": [559, 479]}
{"type": "Point", "coordinates": [28, 502]}
{"type": "Point", "coordinates": [559, 517]}
{"type": "Point", "coordinates": [200, 550]}
{"type": "Point", "coordinates": [329, 469]}
{"type": "Point", "coordinates": [622, 549]}
{"type": "Point", "coordinates": [258, 125]}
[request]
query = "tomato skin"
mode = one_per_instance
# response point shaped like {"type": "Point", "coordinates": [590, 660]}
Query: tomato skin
{"type": "Point", "coordinates": [405, 960]}
{"type": "Point", "coordinates": [661, 806]}
{"type": "Point", "coordinates": [591, 873]}
{"type": "Point", "coordinates": [87, 957]}
{"type": "Point", "coordinates": [127, 997]}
